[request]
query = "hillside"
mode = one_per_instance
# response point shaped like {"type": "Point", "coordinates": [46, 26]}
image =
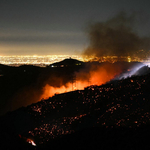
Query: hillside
{"type": "Point", "coordinates": [23, 85]}
{"type": "Point", "coordinates": [67, 63]}
{"type": "Point", "coordinates": [115, 115]}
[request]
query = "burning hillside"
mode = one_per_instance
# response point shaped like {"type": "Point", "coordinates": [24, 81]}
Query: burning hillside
{"type": "Point", "coordinates": [97, 75]}
{"type": "Point", "coordinates": [93, 74]}
{"type": "Point", "coordinates": [117, 114]}
{"type": "Point", "coordinates": [24, 85]}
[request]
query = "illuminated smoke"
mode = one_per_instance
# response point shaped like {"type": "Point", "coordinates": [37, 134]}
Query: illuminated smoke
{"type": "Point", "coordinates": [115, 37]}
{"type": "Point", "coordinates": [130, 72]}
{"type": "Point", "coordinates": [96, 75]}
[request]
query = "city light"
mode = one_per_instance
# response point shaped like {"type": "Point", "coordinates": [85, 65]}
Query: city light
{"type": "Point", "coordinates": [36, 60]}
{"type": "Point", "coordinates": [45, 60]}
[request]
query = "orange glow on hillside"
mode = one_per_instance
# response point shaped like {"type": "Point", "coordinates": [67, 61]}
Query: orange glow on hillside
{"type": "Point", "coordinates": [96, 77]}
{"type": "Point", "coordinates": [50, 91]}
{"type": "Point", "coordinates": [31, 142]}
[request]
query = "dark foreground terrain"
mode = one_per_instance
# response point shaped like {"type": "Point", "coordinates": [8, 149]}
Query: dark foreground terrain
{"type": "Point", "coordinates": [115, 116]}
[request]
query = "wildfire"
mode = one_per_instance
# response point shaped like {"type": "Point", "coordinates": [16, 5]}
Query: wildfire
{"type": "Point", "coordinates": [96, 77]}
{"type": "Point", "coordinates": [49, 91]}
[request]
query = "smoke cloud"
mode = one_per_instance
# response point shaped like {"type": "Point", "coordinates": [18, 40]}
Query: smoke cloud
{"type": "Point", "coordinates": [115, 37]}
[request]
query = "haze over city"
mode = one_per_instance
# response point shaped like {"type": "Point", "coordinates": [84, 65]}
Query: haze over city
{"type": "Point", "coordinates": [62, 27]}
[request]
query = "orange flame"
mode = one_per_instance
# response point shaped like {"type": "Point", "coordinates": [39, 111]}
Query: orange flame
{"type": "Point", "coordinates": [31, 142]}
{"type": "Point", "coordinates": [98, 77]}
{"type": "Point", "coordinates": [50, 91]}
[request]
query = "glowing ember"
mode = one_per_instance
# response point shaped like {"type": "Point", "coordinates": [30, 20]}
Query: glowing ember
{"type": "Point", "coordinates": [31, 142]}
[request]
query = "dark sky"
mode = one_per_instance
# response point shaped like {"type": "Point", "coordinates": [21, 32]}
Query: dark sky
{"type": "Point", "coordinates": [59, 26]}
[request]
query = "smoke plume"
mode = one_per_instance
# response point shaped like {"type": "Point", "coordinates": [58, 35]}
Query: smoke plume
{"type": "Point", "coordinates": [115, 37]}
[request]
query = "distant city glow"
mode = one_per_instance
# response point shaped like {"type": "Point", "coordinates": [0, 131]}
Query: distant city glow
{"type": "Point", "coordinates": [44, 60]}
{"type": "Point", "coordinates": [36, 60]}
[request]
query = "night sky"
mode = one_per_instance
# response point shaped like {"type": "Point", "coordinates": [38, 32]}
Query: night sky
{"type": "Point", "coordinates": [45, 27]}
